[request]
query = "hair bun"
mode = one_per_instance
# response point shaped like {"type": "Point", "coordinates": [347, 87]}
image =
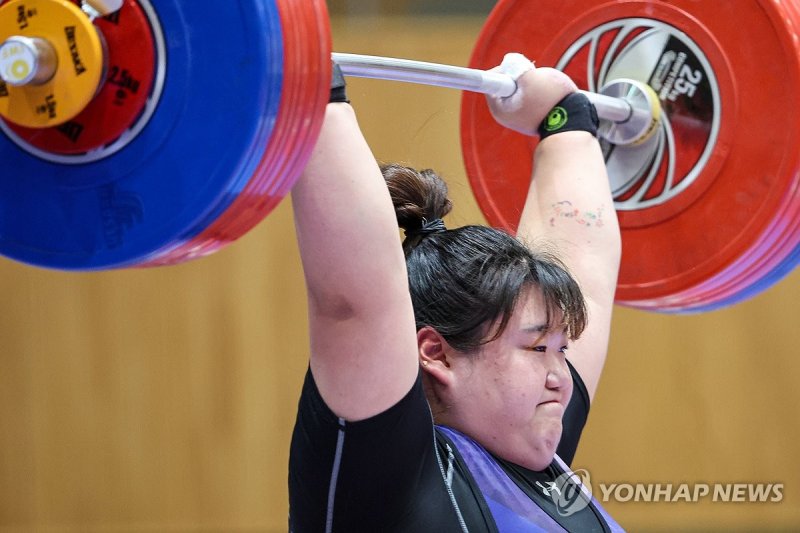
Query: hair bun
{"type": "Point", "coordinates": [419, 197]}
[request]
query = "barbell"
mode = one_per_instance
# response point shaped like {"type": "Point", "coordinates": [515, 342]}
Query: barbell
{"type": "Point", "coordinates": [143, 132]}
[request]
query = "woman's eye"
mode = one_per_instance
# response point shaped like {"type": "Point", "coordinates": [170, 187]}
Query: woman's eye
{"type": "Point", "coordinates": [543, 348]}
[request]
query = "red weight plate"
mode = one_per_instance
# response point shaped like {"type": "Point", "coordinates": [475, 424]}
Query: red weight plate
{"type": "Point", "coordinates": [701, 208]}
{"type": "Point", "coordinates": [122, 97]}
{"type": "Point", "coordinates": [305, 91]}
{"type": "Point", "coordinates": [775, 253]}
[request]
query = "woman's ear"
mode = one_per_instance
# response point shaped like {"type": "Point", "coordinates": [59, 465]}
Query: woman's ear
{"type": "Point", "coordinates": [433, 354]}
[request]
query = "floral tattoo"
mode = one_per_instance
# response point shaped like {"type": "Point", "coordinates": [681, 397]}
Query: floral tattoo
{"type": "Point", "coordinates": [584, 218]}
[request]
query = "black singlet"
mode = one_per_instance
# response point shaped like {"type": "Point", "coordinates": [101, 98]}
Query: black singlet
{"type": "Point", "coordinates": [387, 473]}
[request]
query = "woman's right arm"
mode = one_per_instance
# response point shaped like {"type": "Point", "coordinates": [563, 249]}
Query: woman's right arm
{"type": "Point", "coordinates": [363, 342]}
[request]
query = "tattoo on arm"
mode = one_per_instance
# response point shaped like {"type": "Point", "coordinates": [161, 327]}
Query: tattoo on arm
{"type": "Point", "coordinates": [565, 210]}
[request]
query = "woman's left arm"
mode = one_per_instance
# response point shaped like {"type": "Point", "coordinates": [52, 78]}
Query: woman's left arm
{"type": "Point", "coordinates": [569, 204]}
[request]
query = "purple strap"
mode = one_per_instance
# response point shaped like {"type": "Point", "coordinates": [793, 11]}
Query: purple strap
{"type": "Point", "coordinates": [511, 508]}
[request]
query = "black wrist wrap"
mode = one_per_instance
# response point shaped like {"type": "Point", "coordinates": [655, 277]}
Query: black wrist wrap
{"type": "Point", "coordinates": [338, 86]}
{"type": "Point", "coordinates": [573, 113]}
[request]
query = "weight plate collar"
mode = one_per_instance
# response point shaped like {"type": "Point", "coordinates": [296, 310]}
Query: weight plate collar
{"type": "Point", "coordinates": [78, 49]}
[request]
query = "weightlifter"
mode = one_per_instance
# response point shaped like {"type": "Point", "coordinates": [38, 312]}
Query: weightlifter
{"type": "Point", "coordinates": [450, 377]}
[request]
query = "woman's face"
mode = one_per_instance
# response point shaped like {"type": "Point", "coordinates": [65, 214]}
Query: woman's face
{"type": "Point", "coordinates": [510, 396]}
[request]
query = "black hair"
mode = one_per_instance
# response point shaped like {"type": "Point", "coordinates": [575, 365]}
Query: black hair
{"type": "Point", "coordinates": [465, 282]}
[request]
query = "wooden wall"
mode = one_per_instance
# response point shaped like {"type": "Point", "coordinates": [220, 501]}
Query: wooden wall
{"type": "Point", "coordinates": [163, 399]}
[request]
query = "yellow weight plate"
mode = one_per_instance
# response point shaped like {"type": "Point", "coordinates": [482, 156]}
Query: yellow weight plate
{"type": "Point", "coordinates": [79, 53]}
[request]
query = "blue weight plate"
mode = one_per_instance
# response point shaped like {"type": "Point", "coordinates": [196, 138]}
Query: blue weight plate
{"type": "Point", "coordinates": [204, 141]}
{"type": "Point", "coordinates": [304, 94]}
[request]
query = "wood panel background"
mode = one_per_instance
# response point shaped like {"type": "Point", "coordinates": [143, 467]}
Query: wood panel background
{"type": "Point", "coordinates": [163, 399]}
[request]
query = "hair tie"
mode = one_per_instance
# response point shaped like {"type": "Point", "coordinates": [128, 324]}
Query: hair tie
{"type": "Point", "coordinates": [434, 226]}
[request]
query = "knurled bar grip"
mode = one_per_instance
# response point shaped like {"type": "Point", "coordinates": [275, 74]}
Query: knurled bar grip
{"type": "Point", "coordinates": [467, 79]}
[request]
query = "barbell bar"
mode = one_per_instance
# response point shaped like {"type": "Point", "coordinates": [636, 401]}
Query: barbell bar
{"type": "Point", "coordinates": [634, 115]}
{"type": "Point", "coordinates": [184, 148]}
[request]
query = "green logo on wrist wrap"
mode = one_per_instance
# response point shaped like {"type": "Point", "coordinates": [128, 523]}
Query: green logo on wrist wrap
{"type": "Point", "coordinates": [555, 119]}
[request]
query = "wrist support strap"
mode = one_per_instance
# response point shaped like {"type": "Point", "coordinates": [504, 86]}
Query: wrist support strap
{"type": "Point", "coordinates": [573, 113]}
{"type": "Point", "coordinates": [338, 85]}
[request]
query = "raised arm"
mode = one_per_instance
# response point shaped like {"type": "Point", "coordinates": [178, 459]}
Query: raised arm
{"type": "Point", "coordinates": [569, 204]}
{"type": "Point", "coordinates": [363, 343]}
